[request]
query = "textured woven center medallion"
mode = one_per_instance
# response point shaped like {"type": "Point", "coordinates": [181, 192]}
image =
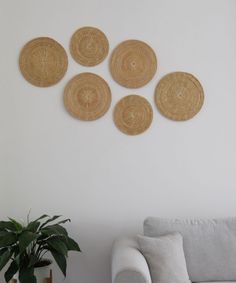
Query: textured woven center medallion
{"type": "Point", "coordinates": [133, 114]}
{"type": "Point", "coordinates": [87, 96]}
{"type": "Point", "coordinates": [179, 96]}
{"type": "Point", "coordinates": [133, 63]}
{"type": "Point", "coordinates": [89, 46]}
{"type": "Point", "coordinates": [43, 62]}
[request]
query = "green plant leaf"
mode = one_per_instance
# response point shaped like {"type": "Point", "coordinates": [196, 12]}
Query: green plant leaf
{"type": "Point", "coordinates": [72, 245]}
{"type": "Point", "coordinates": [55, 229]}
{"type": "Point", "coordinates": [11, 271]}
{"type": "Point", "coordinates": [64, 221]}
{"type": "Point", "coordinates": [61, 230]}
{"type": "Point", "coordinates": [46, 232]}
{"type": "Point", "coordinates": [25, 239]}
{"type": "Point", "coordinates": [50, 220]}
{"type": "Point", "coordinates": [7, 225]}
{"type": "Point", "coordinates": [7, 238]}
{"type": "Point", "coordinates": [33, 226]}
{"type": "Point", "coordinates": [2, 250]}
{"type": "Point", "coordinates": [17, 225]}
{"type": "Point", "coordinates": [17, 259]}
{"type": "Point", "coordinates": [26, 275]}
{"type": "Point", "coordinates": [33, 259]}
{"type": "Point", "coordinates": [5, 257]}
{"type": "Point", "coordinates": [58, 245]}
{"type": "Point", "coordinates": [60, 260]}
{"type": "Point", "coordinates": [42, 238]}
{"type": "Point", "coordinates": [41, 217]}
{"type": "Point", "coordinates": [15, 249]}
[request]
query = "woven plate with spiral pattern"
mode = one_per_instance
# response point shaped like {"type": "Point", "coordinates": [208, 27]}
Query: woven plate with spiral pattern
{"type": "Point", "coordinates": [87, 96]}
{"type": "Point", "coordinates": [133, 114]}
{"type": "Point", "coordinates": [133, 63]}
{"type": "Point", "coordinates": [179, 96]}
{"type": "Point", "coordinates": [43, 62]}
{"type": "Point", "coordinates": [89, 46]}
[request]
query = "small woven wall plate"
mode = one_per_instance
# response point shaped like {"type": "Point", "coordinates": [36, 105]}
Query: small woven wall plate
{"type": "Point", "coordinates": [133, 114]}
{"type": "Point", "coordinates": [179, 96]}
{"type": "Point", "coordinates": [89, 46]}
{"type": "Point", "coordinates": [43, 61]}
{"type": "Point", "coordinates": [133, 63]}
{"type": "Point", "coordinates": [87, 96]}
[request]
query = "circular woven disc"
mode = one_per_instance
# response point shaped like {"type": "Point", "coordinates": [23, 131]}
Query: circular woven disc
{"type": "Point", "coordinates": [133, 63]}
{"type": "Point", "coordinates": [179, 96]}
{"type": "Point", "coordinates": [87, 96]}
{"type": "Point", "coordinates": [89, 46]}
{"type": "Point", "coordinates": [43, 61]}
{"type": "Point", "coordinates": [133, 114]}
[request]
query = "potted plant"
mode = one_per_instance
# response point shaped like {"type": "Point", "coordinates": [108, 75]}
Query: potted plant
{"type": "Point", "coordinates": [25, 246]}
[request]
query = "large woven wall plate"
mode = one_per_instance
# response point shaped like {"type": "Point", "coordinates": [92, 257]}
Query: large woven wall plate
{"type": "Point", "coordinates": [133, 114]}
{"type": "Point", "coordinates": [43, 62]}
{"type": "Point", "coordinates": [87, 96]}
{"type": "Point", "coordinates": [133, 64]}
{"type": "Point", "coordinates": [179, 96]}
{"type": "Point", "coordinates": [89, 46]}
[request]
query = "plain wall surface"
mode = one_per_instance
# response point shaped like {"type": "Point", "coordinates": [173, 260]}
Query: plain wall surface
{"type": "Point", "coordinates": [105, 181]}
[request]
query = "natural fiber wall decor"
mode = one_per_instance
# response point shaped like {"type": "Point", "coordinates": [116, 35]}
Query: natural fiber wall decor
{"type": "Point", "coordinates": [89, 46]}
{"type": "Point", "coordinates": [133, 115]}
{"type": "Point", "coordinates": [87, 96]}
{"type": "Point", "coordinates": [179, 96]}
{"type": "Point", "coordinates": [133, 63]}
{"type": "Point", "coordinates": [43, 62]}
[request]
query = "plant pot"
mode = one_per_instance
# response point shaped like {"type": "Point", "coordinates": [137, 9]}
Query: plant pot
{"type": "Point", "coordinates": [43, 274]}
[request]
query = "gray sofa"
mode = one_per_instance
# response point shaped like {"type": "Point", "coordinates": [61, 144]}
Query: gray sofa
{"type": "Point", "coordinates": [209, 247]}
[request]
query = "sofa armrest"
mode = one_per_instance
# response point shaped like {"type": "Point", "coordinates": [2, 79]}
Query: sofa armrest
{"type": "Point", "coordinates": [128, 264]}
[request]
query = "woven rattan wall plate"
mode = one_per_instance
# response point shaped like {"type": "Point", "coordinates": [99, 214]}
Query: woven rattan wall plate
{"type": "Point", "coordinates": [43, 62]}
{"type": "Point", "coordinates": [89, 46]}
{"type": "Point", "coordinates": [179, 96]}
{"type": "Point", "coordinates": [133, 114]}
{"type": "Point", "coordinates": [133, 63]}
{"type": "Point", "coordinates": [87, 96]}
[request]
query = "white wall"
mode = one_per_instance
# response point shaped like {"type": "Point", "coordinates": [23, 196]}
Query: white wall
{"type": "Point", "coordinates": [105, 181]}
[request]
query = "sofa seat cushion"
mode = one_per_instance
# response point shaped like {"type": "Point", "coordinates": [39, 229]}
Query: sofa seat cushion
{"type": "Point", "coordinates": [209, 245]}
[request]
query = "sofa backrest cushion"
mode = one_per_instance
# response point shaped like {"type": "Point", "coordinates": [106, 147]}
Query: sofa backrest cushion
{"type": "Point", "coordinates": [209, 245]}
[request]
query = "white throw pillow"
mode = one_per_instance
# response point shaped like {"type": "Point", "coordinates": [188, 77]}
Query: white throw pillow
{"type": "Point", "coordinates": [165, 258]}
